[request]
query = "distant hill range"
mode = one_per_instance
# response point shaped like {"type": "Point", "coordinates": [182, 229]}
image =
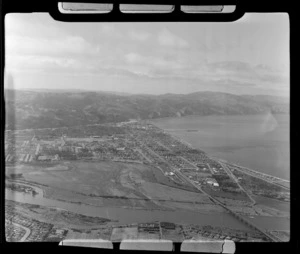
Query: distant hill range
{"type": "Point", "coordinates": [46, 108]}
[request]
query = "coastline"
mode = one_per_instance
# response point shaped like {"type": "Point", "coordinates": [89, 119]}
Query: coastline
{"type": "Point", "coordinates": [212, 115]}
{"type": "Point", "coordinates": [212, 156]}
{"type": "Point", "coordinates": [178, 213]}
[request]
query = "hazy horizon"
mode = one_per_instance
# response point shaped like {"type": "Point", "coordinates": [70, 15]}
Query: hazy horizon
{"type": "Point", "coordinates": [249, 56]}
{"type": "Point", "coordinates": [127, 93]}
{"type": "Point", "coordinates": [166, 131]}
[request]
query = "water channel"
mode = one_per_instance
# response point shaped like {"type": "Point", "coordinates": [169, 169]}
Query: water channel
{"type": "Point", "coordinates": [126, 215]}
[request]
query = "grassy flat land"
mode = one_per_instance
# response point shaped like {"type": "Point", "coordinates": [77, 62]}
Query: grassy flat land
{"type": "Point", "coordinates": [56, 216]}
{"type": "Point", "coordinates": [259, 187]}
{"type": "Point", "coordinates": [112, 184]}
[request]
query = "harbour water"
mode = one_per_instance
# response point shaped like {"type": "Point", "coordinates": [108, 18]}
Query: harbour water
{"type": "Point", "coordinates": [259, 142]}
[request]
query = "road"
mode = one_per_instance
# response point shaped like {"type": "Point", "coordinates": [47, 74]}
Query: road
{"type": "Point", "coordinates": [27, 233]}
{"type": "Point", "coordinates": [265, 177]}
{"type": "Point", "coordinates": [237, 216]}
{"type": "Point", "coordinates": [230, 174]}
{"type": "Point", "coordinates": [141, 152]}
{"type": "Point", "coordinates": [240, 218]}
{"type": "Point", "coordinates": [216, 201]}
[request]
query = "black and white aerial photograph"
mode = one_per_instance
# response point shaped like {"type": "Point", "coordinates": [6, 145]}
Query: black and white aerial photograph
{"type": "Point", "coordinates": [147, 130]}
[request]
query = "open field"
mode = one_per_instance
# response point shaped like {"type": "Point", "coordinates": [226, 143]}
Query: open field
{"type": "Point", "coordinates": [100, 181]}
{"type": "Point", "coordinates": [259, 187]}
{"type": "Point", "coordinates": [110, 184]}
{"type": "Point", "coordinates": [52, 224]}
{"type": "Point", "coordinates": [58, 217]}
{"type": "Point", "coordinates": [220, 194]}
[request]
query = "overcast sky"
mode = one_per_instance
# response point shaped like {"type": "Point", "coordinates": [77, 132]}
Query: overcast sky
{"type": "Point", "coordinates": [249, 56]}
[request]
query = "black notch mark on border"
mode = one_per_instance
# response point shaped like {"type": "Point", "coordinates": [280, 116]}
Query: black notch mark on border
{"type": "Point", "coordinates": [116, 15]}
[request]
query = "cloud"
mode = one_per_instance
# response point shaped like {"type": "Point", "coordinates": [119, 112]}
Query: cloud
{"type": "Point", "coordinates": [273, 78]}
{"type": "Point", "coordinates": [110, 31]}
{"type": "Point", "coordinates": [235, 66]}
{"type": "Point", "coordinates": [46, 64]}
{"type": "Point", "coordinates": [133, 58]}
{"type": "Point", "coordinates": [139, 35]}
{"type": "Point", "coordinates": [166, 38]}
{"type": "Point", "coordinates": [234, 83]}
{"type": "Point", "coordinates": [32, 25]}
{"type": "Point", "coordinates": [41, 46]}
{"type": "Point", "coordinates": [151, 61]}
{"type": "Point", "coordinates": [247, 72]}
{"type": "Point", "coordinates": [108, 28]}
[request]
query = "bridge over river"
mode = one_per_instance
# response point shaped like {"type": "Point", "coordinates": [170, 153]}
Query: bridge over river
{"type": "Point", "coordinates": [234, 214]}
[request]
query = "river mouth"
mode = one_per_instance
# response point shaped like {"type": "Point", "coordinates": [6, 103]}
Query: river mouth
{"type": "Point", "coordinates": [120, 215]}
{"type": "Point", "coordinates": [126, 215]}
{"type": "Point", "coordinates": [87, 188]}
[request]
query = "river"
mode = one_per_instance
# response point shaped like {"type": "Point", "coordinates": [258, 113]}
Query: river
{"type": "Point", "coordinates": [260, 142]}
{"type": "Point", "coordinates": [127, 216]}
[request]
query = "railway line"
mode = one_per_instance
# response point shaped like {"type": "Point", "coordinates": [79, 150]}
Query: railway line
{"type": "Point", "coordinates": [237, 216]}
{"type": "Point", "coordinates": [216, 201]}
